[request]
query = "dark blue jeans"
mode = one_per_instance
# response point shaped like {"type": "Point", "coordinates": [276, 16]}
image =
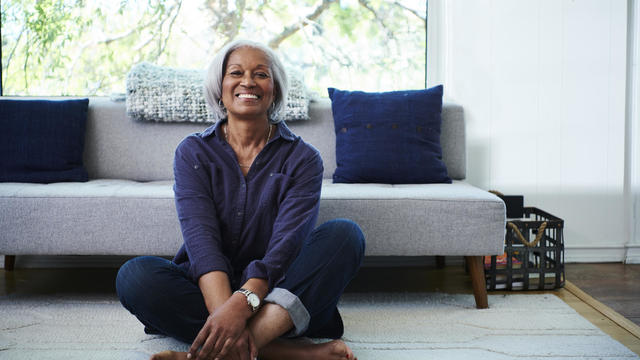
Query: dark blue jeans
{"type": "Point", "coordinates": [166, 300]}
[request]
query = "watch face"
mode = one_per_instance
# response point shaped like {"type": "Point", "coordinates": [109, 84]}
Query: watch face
{"type": "Point", "coordinates": [254, 300]}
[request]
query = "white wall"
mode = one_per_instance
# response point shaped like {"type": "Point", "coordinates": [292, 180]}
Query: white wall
{"type": "Point", "coordinates": [542, 83]}
{"type": "Point", "coordinates": [632, 174]}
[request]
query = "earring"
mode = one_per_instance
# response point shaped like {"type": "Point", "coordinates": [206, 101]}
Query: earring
{"type": "Point", "coordinates": [224, 109]}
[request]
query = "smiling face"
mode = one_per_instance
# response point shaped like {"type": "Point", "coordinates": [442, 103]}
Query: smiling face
{"type": "Point", "coordinates": [247, 85]}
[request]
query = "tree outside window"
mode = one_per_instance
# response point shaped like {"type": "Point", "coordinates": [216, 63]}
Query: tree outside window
{"type": "Point", "coordinates": [83, 47]}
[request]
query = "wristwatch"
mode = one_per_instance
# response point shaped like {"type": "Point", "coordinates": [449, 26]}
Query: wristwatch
{"type": "Point", "coordinates": [252, 299]}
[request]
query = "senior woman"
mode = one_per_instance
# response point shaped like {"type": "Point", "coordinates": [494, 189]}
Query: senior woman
{"type": "Point", "coordinates": [253, 276]}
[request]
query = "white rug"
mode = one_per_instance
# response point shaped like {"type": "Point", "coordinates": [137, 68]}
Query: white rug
{"type": "Point", "coordinates": [378, 326]}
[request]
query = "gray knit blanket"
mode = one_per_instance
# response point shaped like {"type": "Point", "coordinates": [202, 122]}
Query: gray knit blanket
{"type": "Point", "coordinates": [163, 94]}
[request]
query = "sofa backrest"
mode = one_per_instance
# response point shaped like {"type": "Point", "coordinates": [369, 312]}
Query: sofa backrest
{"type": "Point", "coordinates": [116, 147]}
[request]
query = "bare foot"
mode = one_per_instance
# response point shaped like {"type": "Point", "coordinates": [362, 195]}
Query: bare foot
{"type": "Point", "coordinates": [169, 355]}
{"type": "Point", "coordinates": [299, 349]}
{"type": "Point", "coordinates": [335, 349]}
{"type": "Point", "coordinates": [287, 349]}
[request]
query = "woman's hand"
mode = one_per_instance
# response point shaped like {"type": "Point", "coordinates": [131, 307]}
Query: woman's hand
{"type": "Point", "coordinates": [222, 330]}
{"type": "Point", "coordinates": [244, 348]}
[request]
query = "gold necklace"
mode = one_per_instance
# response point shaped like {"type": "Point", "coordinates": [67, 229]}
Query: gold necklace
{"type": "Point", "coordinates": [226, 138]}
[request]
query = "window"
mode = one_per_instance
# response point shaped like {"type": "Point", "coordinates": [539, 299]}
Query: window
{"type": "Point", "coordinates": [84, 47]}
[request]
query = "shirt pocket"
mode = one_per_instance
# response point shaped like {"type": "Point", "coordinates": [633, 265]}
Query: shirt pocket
{"type": "Point", "coordinates": [275, 190]}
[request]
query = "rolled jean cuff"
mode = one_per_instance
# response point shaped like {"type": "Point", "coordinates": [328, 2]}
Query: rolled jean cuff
{"type": "Point", "coordinates": [297, 312]}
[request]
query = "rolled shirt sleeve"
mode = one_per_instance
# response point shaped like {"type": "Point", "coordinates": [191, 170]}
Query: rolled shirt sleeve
{"type": "Point", "coordinates": [297, 311]}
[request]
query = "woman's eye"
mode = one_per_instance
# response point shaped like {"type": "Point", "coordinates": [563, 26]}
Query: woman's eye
{"type": "Point", "coordinates": [235, 73]}
{"type": "Point", "coordinates": [262, 75]}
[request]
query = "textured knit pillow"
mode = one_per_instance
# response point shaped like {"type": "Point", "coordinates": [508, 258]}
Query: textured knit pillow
{"type": "Point", "coordinates": [42, 141]}
{"type": "Point", "coordinates": [297, 107]}
{"type": "Point", "coordinates": [388, 137]}
{"type": "Point", "coordinates": [165, 94]}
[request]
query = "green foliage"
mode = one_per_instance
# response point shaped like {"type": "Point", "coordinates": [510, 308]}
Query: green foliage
{"type": "Point", "coordinates": [76, 47]}
{"type": "Point", "coordinates": [345, 19]}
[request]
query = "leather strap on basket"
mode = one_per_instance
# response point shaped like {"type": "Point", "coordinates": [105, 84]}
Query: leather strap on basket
{"type": "Point", "coordinates": [535, 242]}
{"type": "Point", "coordinates": [496, 192]}
{"type": "Point", "coordinates": [514, 227]}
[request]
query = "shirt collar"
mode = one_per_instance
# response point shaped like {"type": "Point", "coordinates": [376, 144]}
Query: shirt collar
{"type": "Point", "coordinates": [282, 130]}
{"type": "Point", "coordinates": [211, 129]}
{"type": "Point", "coordinates": [285, 132]}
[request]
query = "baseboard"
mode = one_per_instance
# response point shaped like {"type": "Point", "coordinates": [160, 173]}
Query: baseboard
{"type": "Point", "coordinates": [633, 255]}
{"type": "Point", "coordinates": [594, 254]}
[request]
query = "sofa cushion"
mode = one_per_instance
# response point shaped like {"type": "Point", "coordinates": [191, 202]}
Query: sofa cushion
{"type": "Point", "coordinates": [123, 217]}
{"type": "Point", "coordinates": [391, 137]}
{"type": "Point", "coordinates": [42, 141]}
{"type": "Point", "coordinates": [98, 217]}
{"type": "Point", "coordinates": [419, 219]}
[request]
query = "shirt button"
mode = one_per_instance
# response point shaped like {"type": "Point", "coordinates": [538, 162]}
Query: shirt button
{"type": "Point", "coordinates": [239, 213]}
{"type": "Point", "coordinates": [196, 166]}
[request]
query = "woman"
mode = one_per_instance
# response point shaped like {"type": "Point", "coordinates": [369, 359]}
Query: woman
{"type": "Point", "coordinates": [253, 275]}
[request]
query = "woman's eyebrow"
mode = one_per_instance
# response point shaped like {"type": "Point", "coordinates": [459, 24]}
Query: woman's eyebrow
{"type": "Point", "coordinates": [257, 66]}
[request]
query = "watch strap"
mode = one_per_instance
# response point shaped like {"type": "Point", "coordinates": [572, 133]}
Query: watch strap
{"type": "Point", "coordinates": [248, 293]}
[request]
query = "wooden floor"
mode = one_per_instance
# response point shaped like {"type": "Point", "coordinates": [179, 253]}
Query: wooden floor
{"type": "Point", "coordinates": [613, 284]}
{"type": "Point", "coordinates": [616, 286]}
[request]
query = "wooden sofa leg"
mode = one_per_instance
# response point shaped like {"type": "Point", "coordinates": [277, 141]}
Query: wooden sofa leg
{"type": "Point", "coordinates": [9, 262]}
{"type": "Point", "coordinates": [476, 270]}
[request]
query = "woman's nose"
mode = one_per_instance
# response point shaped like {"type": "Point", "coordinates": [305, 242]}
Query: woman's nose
{"type": "Point", "coordinates": [247, 80]}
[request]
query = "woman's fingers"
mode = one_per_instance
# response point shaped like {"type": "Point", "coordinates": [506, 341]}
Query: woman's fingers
{"type": "Point", "coordinates": [197, 343]}
{"type": "Point", "coordinates": [246, 347]}
{"type": "Point", "coordinates": [207, 344]}
{"type": "Point", "coordinates": [253, 349]}
{"type": "Point", "coordinates": [208, 350]}
{"type": "Point", "coordinates": [225, 349]}
{"type": "Point", "coordinates": [240, 349]}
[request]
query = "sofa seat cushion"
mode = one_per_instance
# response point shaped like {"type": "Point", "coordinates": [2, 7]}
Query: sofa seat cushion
{"type": "Point", "coordinates": [419, 219]}
{"type": "Point", "coordinates": [92, 188]}
{"type": "Point", "coordinates": [99, 217]}
{"type": "Point", "coordinates": [122, 217]}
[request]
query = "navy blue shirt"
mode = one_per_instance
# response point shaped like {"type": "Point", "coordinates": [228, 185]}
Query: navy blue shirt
{"type": "Point", "coordinates": [248, 227]}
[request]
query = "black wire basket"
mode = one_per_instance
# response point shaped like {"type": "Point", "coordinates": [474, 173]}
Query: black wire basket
{"type": "Point", "coordinates": [534, 254]}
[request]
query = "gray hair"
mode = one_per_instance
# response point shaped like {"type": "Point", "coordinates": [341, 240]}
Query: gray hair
{"type": "Point", "coordinates": [216, 70]}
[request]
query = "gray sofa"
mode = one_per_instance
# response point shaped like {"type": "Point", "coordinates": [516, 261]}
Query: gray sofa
{"type": "Point", "coordinates": [127, 206]}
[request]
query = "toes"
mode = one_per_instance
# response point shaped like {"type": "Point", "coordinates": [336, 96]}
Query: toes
{"type": "Point", "coordinates": [161, 355]}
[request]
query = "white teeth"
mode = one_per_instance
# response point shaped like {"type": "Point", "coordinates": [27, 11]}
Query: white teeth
{"type": "Point", "coordinates": [248, 96]}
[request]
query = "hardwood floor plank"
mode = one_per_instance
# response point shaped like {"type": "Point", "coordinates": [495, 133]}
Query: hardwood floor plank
{"type": "Point", "coordinates": [605, 310]}
{"type": "Point", "coordinates": [616, 285]}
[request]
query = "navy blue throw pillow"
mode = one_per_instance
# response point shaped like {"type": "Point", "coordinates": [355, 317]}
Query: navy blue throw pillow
{"type": "Point", "coordinates": [42, 141]}
{"type": "Point", "coordinates": [388, 137]}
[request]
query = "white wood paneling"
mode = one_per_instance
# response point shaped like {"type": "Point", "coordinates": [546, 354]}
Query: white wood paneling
{"type": "Point", "coordinates": [543, 87]}
{"type": "Point", "coordinates": [632, 163]}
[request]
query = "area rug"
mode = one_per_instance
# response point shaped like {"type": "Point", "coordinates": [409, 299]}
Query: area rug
{"type": "Point", "coordinates": [378, 326]}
